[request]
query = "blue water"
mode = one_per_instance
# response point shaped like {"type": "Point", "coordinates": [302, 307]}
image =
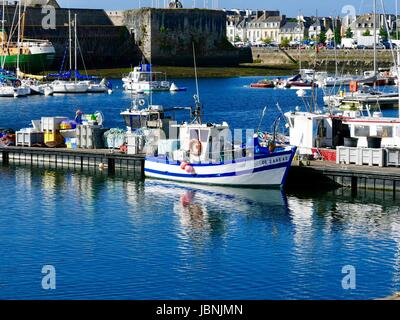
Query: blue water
{"type": "Point", "coordinates": [116, 237]}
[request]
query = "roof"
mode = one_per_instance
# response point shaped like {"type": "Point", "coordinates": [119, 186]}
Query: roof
{"type": "Point", "coordinates": [290, 25]}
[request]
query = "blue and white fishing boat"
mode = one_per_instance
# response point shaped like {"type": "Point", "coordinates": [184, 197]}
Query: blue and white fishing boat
{"type": "Point", "coordinates": [205, 153]}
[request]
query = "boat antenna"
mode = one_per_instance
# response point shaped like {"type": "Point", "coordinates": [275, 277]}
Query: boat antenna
{"type": "Point", "coordinates": [262, 117]}
{"type": "Point", "coordinates": [198, 106]}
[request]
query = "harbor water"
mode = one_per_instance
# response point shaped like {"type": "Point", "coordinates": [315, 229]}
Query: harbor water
{"type": "Point", "coordinates": [121, 238]}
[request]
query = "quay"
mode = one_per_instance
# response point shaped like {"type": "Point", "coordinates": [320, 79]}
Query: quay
{"type": "Point", "coordinates": [325, 174]}
{"type": "Point", "coordinates": [112, 160]}
{"type": "Point", "coordinates": [312, 174]}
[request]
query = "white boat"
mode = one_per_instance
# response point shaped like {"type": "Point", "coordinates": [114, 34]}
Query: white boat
{"type": "Point", "coordinates": [98, 87]}
{"type": "Point", "coordinates": [204, 153]}
{"type": "Point", "coordinates": [22, 91]}
{"type": "Point", "coordinates": [143, 79]}
{"type": "Point", "coordinates": [7, 91]}
{"type": "Point", "coordinates": [195, 162]}
{"type": "Point", "coordinates": [364, 96]}
{"type": "Point", "coordinates": [63, 87]}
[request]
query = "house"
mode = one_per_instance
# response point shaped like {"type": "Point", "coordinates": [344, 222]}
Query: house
{"type": "Point", "coordinates": [364, 24]}
{"type": "Point", "coordinates": [236, 29]}
{"type": "Point", "coordinates": [293, 30]}
{"type": "Point", "coordinates": [266, 26]}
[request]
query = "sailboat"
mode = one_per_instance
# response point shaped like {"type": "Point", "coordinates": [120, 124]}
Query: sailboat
{"type": "Point", "coordinates": [64, 84]}
{"type": "Point", "coordinates": [10, 85]}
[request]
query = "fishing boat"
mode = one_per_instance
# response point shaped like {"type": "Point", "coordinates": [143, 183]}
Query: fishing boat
{"type": "Point", "coordinates": [207, 155]}
{"type": "Point", "coordinates": [143, 79]}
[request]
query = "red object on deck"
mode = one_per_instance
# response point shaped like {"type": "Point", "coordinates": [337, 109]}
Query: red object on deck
{"type": "Point", "coordinates": [326, 154]}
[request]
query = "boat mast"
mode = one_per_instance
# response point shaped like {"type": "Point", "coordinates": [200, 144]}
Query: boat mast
{"type": "Point", "coordinates": [198, 108]}
{"type": "Point", "coordinates": [299, 47]}
{"type": "Point", "coordinates": [375, 38]}
{"type": "Point", "coordinates": [75, 46]}
{"type": "Point", "coordinates": [3, 21]}
{"type": "Point", "coordinates": [70, 40]}
{"type": "Point", "coordinates": [19, 36]}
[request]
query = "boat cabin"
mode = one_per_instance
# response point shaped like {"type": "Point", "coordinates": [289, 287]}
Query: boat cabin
{"type": "Point", "coordinates": [199, 143]}
{"type": "Point", "coordinates": [309, 131]}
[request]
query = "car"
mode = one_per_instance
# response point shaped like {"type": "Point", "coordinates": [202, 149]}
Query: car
{"type": "Point", "coordinates": [380, 46]}
{"type": "Point", "coordinates": [361, 47]}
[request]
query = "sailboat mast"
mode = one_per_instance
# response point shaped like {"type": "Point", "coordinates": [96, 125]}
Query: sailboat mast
{"type": "Point", "coordinates": [3, 21]}
{"type": "Point", "coordinates": [70, 40]}
{"type": "Point", "coordinates": [375, 38]}
{"type": "Point", "coordinates": [19, 36]}
{"type": "Point", "coordinates": [76, 45]}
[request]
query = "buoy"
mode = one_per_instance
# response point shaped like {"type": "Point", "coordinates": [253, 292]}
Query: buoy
{"type": "Point", "coordinates": [102, 166]}
{"type": "Point", "coordinates": [189, 169]}
{"type": "Point", "coordinates": [183, 165]}
{"type": "Point", "coordinates": [110, 91]}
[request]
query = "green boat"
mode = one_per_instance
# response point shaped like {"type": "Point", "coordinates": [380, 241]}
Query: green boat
{"type": "Point", "coordinates": [35, 55]}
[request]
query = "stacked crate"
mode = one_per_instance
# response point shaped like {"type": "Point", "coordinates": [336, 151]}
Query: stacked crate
{"type": "Point", "coordinates": [50, 126]}
{"type": "Point", "coordinates": [90, 137]}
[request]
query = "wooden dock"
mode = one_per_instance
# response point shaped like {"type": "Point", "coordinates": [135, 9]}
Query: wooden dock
{"type": "Point", "coordinates": [320, 174]}
{"type": "Point", "coordinates": [111, 160]}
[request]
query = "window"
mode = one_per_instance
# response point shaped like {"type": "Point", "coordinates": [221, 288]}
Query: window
{"type": "Point", "coordinates": [204, 135]}
{"type": "Point", "coordinates": [384, 131]}
{"type": "Point", "coordinates": [194, 134]}
{"type": "Point", "coordinates": [361, 131]}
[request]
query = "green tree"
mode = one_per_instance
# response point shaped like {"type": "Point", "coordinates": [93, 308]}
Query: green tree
{"type": "Point", "coordinates": [322, 37]}
{"type": "Point", "coordinates": [338, 36]}
{"type": "Point", "coordinates": [383, 34]}
{"type": "Point", "coordinates": [238, 39]}
{"type": "Point", "coordinates": [366, 33]}
{"type": "Point", "coordinates": [267, 40]}
{"type": "Point", "coordinates": [285, 42]}
{"type": "Point", "coordinates": [349, 33]}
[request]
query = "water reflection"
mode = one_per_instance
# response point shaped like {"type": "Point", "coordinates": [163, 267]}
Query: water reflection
{"type": "Point", "coordinates": [182, 230]}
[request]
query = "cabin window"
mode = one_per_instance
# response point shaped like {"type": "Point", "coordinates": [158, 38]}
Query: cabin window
{"type": "Point", "coordinates": [203, 135]}
{"type": "Point", "coordinates": [362, 131]}
{"type": "Point", "coordinates": [384, 131]}
{"type": "Point", "coordinates": [194, 134]}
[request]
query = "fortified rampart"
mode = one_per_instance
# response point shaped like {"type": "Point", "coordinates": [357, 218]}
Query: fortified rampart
{"type": "Point", "coordinates": [166, 36]}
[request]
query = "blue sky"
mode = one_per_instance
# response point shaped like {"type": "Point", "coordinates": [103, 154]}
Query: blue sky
{"type": "Point", "coordinates": [288, 7]}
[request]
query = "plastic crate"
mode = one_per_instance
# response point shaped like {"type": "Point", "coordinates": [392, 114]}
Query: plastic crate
{"type": "Point", "coordinates": [90, 137]}
{"type": "Point", "coordinates": [393, 157]}
{"type": "Point", "coordinates": [28, 139]}
{"type": "Point", "coordinates": [372, 157]}
{"type": "Point", "coordinates": [52, 123]}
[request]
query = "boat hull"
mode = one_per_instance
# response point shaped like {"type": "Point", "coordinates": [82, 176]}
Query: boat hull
{"type": "Point", "coordinates": [30, 62]}
{"type": "Point", "coordinates": [261, 171]}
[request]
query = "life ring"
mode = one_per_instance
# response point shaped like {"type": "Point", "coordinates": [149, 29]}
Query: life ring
{"type": "Point", "coordinates": [195, 147]}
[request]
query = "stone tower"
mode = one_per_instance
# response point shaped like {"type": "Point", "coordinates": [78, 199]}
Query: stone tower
{"type": "Point", "coordinates": [175, 4]}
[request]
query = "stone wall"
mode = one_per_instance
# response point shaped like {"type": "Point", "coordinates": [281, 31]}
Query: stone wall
{"type": "Point", "coordinates": [103, 44]}
{"type": "Point", "coordinates": [166, 36]}
{"type": "Point", "coordinates": [326, 59]}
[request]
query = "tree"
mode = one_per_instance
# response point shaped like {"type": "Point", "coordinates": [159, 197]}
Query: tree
{"type": "Point", "coordinates": [238, 39]}
{"type": "Point", "coordinates": [285, 42]}
{"type": "Point", "coordinates": [383, 34]}
{"type": "Point", "coordinates": [267, 40]}
{"type": "Point", "coordinates": [349, 33]}
{"type": "Point", "coordinates": [322, 37]}
{"type": "Point", "coordinates": [338, 36]}
{"type": "Point", "coordinates": [366, 33]}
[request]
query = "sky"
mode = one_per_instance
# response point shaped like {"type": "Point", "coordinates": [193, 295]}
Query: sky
{"type": "Point", "coordinates": [288, 7]}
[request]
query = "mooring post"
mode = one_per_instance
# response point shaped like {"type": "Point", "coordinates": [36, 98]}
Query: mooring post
{"type": "Point", "coordinates": [111, 166]}
{"type": "Point", "coordinates": [6, 157]}
{"type": "Point", "coordinates": [354, 186]}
